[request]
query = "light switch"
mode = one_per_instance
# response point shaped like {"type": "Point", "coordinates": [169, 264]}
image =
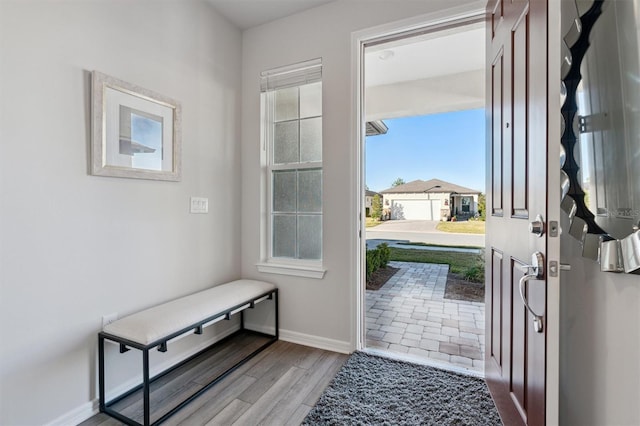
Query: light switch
{"type": "Point", "coordinates": [199, 205]}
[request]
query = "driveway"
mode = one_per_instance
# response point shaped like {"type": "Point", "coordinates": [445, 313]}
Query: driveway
{"type": "Point", "coordinates": [421, 231]}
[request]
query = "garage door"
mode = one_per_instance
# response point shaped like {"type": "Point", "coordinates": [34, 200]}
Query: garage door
{"type": "Point", "coordinates": [415, 209]}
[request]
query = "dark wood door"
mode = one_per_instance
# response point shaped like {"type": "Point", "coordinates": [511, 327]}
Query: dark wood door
{"type": "Point", "coordinates": [516, 194]}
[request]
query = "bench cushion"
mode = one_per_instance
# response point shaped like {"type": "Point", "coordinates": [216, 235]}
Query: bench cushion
{"type": "Point", "coordinates": [155, 323]}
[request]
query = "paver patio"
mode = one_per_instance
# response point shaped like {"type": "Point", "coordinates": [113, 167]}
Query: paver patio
{"type": "Point", "coordinates": [409, 315]}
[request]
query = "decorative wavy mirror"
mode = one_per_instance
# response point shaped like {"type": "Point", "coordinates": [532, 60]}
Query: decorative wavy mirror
{"type": "Point", "coordinates": [601, 133]}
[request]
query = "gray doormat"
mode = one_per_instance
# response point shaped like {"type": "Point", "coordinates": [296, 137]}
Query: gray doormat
{"type": "Point", "coordinates": [371, 390]}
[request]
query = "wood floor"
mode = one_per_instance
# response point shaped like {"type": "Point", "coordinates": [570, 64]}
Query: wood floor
{"type": "Point", "coordinates": [277, 387]}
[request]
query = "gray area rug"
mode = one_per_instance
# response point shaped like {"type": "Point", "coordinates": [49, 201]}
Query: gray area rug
{"type": "Point", "coordinates": [371, 390]}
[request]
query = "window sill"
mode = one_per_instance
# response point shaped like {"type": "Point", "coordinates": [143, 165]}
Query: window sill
{"type": "Point", "coordinates": [306, 271]}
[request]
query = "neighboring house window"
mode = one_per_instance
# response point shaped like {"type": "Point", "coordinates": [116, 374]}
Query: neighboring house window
{"type": "Point", "coordinates": [466, 202]}
{"type": "Point", "coordinates": [292, 132]}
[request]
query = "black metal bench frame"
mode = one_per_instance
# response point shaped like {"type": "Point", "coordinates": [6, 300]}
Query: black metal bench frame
{"type": "Point", "coordinates": [161, 345]}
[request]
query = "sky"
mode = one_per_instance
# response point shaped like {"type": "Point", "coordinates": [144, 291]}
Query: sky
{"type": "Point", "coordinates": [448, 146]}
{"type": "Point", "coordinates": [148, 132]}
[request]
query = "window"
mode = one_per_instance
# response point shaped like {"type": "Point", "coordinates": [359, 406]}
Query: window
{"type": "Point", "coordinates": [466, 202]}
{"type": "Point", "coordinates": [292, 133]}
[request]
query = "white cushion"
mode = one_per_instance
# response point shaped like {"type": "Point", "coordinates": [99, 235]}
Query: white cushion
{"type": "Point", "coordinates": [160, 321]}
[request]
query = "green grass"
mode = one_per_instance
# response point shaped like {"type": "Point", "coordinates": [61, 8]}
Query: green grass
{"type": "Point", "coordinates": [439, 245]}
{"type": "Point", "coordinates": [371, 222]}
{"type": "Point", "coordinates": [469, 265]}
{"type": "Point", "coordinates": [466, 227]}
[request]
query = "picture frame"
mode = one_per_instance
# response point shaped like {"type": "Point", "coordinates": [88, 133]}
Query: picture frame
{"type": "Point", "coordinates": [136, 133]}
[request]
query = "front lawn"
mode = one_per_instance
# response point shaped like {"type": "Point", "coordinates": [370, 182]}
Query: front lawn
{"type": "Point", "coordinates": [442, 246]}
{"type": "Point", "coordinates": [469, 265]}
{"type": "Point", "coordinates": [371, 222]}
{"type": "Point", "coordinates": [466, 227]}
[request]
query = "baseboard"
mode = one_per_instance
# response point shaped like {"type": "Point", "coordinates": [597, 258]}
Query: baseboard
{"type": "Point", "coordinates": [77, 415]}
{"type": "Point", "coordinates": [91, 408]}
{"type": "Point", "coordinates": [305, 339]}
{"type": "Point", "coordinates": [316, 341]}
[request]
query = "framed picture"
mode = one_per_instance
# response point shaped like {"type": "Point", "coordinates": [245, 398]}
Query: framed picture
{"type": "Point", "coordinates": [136, 133]}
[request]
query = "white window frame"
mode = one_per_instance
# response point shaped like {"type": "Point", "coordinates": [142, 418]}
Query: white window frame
{"type": "Point", "coordinates": [290, 76]}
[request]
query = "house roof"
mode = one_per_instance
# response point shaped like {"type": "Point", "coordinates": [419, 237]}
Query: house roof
{"type": "Point", "coordinates": [431, 185]}
{"type": "Point", "coordinates": [369, 193]}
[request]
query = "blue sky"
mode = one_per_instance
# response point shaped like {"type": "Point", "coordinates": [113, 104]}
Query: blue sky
{"type": "Point", "coordinates": [448, 146]}
{"type": "Point", "coordinates": [148, 132]}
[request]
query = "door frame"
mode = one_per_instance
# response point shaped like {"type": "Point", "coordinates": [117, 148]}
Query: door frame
{"type": "Point", "coordinates": [359, 39]}
{"type": "Point", "coordinates": [554, 119]}
{"type": "Point", "coordinates": [431, 22]}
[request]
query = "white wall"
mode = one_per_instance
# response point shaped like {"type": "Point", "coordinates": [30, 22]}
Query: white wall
{"type": "Point", "coordinates": [600, 343]}
{"type": "Point", "coordinates": [74, 247]}
{"type": "Point", "coordinates": [320, 310]}
{"type": "Point", "coordinates": [599, 327]}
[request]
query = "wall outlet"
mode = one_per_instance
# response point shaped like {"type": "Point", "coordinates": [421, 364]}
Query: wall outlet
{"type": "Point", "coordinates": [108, 319]}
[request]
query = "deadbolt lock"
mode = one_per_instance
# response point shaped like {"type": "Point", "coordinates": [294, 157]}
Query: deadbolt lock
{"type": "Point", "coordinates": [537, 226]}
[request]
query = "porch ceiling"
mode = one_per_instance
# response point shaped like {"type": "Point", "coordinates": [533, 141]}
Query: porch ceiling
{"type": "Point", "coordinates": [428, 74]}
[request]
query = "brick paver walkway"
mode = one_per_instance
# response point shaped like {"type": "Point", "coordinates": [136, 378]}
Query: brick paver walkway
{"type": "Point", "coordinates": [409, 315]}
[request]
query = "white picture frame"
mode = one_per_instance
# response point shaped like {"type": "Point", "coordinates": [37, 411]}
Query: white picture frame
{"type": "Point", "coordinates": [136, 133]}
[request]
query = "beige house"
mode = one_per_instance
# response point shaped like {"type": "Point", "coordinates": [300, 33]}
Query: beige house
{"type": "Point", "coordinates": [368, 201]}
{"type": "Point", "coordinates": [433, 199]}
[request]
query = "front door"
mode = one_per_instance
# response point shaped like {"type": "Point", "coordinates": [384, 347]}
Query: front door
{"type": "Point", "coordinates": [516, 193]}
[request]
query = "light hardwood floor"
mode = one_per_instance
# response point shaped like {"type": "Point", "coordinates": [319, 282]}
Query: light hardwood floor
{"type": "Point", "coordinates": [277, 387]}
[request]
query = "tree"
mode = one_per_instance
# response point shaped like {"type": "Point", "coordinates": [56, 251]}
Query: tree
{"type": "Point", "coordinates": [482, 206]}
{"type": "Point", "coordinates": [376, 207]}
{"type": "Point", "coordinates": [398, 182]}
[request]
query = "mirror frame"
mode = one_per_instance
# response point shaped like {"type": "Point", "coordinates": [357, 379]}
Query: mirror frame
{"type": "Point", "coordinates": [614, 255]}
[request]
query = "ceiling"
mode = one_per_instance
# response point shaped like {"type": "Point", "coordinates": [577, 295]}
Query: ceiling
{"type": "Point", "coordinates": [432, 55]}
{"type": "Point", "coordinates": [441, 71]}
{"type": "Point", "coordinates": [427, 74]}
{"type": "Point", "coordinates": [251, 13]}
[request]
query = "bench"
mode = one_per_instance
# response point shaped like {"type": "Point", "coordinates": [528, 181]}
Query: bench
{"type": "Point", "coordinates": [154, 327]}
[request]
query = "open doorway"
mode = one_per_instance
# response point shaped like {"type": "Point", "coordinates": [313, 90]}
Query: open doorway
{"type": "Point", "coordinates": [424, 171]}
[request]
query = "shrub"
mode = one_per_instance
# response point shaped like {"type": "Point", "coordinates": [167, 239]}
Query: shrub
{"type": "Point", "coordinates": [384, 254]}
{"type": "Point", "coordinates": [475, 271]}
{"type": "Point", "coordinates": [377, 258]}
{"type": "Point", "coordinates": [474, 274]}
{"type": "Point", "coordinates": [373, 262]}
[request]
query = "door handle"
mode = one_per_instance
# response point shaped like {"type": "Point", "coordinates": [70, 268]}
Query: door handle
{"type": "Point", "coordinates": [533, 271]}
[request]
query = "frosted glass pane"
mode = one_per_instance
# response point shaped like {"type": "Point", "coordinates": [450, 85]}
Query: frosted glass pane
{"type": "Point", "coordinates": [311, 139]}
{"type": "Point", "coordinates": [284, 236]}
{"type": "Point", "coordinates": [310, 237]}
{"type": "Point", "coordinates": [310, 191]}
{"type": "Point", "coordinates": [286, 104]}
{"type": "Point", "coordinates": [285, 141]}
{"type": "Point", "coordinates": [311, 100]}
{"type": "Point", "coordinates": [284, 191]}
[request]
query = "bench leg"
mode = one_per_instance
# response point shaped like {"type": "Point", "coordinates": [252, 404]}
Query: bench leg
{"type": "Point", "coordinates": [145, 389]}
{"type": "Point", "coordinates": [277, 320]}
{"type": "Point", "coordinates": [101, 385]}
